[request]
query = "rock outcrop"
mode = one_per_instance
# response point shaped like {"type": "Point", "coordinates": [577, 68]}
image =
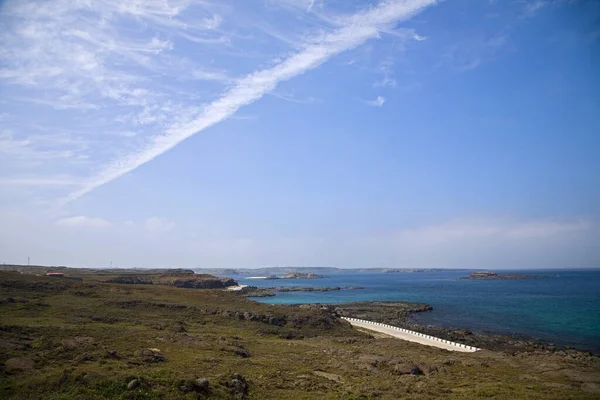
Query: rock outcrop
{"type": "Point", "coordinates": [180, 278]}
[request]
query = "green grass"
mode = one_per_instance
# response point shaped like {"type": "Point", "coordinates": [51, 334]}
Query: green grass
{"type": "Point", "coordinates": [83, 338]}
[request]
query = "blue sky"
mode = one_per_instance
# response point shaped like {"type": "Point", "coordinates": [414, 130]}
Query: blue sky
{"type": "Point", "coordinates": [212, 133]}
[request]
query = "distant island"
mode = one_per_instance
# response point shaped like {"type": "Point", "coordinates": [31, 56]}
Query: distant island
{"type": "Point", "coordinates": [497, 276]}
{"type": "Point", "coordinates": [412, 270]}
{"type": "Point", "coordinates": [277, 271]}
{"type": "Point", "coordinates": [297, 275]}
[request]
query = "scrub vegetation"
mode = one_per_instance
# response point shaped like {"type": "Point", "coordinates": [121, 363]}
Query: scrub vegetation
{"type": "Point", "coordinates": [63, 338]}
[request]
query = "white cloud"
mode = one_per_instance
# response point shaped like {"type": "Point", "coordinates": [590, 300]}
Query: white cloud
{"type": "Point", "coordinates": [213, 22]}
{"type": "Point", "coordinates": [419, 38]}
{"type": "Point", "coordinates": [378, 102]}
{"type": "Point", "coordinates": [158, 224]}
{"type": "Point", "coordinates": [82, 222]}
{"type": "Point", "coordinates": [293, 98]}
{"type": "Point", "coordinates": [353, 31]}
{"type": "Point", "coordinates": [386, 69]}
{"type": "Point", "coordinates": [485, 243]}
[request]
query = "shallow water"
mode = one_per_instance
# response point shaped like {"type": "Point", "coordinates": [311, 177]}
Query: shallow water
{"type": "Point", "coordinates": [563, 309]}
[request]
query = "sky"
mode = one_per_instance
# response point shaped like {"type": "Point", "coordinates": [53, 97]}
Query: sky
{"type": "Point", "coordinates": [343, 133]}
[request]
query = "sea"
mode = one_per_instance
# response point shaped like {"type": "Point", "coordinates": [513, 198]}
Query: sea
{"type": "Point", "coordinates": [563, 308]}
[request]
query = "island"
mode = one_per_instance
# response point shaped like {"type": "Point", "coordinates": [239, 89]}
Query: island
{"type": "Point", "coordinates": [297, 275]}
{"type": "Point", "coordinates": [497, 276]}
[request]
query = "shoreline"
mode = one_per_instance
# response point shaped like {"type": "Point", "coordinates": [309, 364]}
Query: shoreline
{"type": "Point", "coordinates": [401, 314]}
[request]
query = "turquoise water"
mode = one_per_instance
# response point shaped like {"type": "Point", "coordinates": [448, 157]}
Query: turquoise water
{"type": "Point", "coordinates": [563, 309]}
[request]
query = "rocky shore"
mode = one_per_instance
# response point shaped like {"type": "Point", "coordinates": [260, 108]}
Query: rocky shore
{"type": "Point", "coordinates": [400, 314]}
{"type": "Point", "coordinates": [253, 291]}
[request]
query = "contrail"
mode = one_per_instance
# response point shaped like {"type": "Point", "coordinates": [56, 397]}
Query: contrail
{"type": "Point", "coordinates": [354, 31]}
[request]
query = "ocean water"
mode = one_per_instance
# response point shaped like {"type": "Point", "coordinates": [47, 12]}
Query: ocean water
{"type": "Point", "coordinates": [563, 309]}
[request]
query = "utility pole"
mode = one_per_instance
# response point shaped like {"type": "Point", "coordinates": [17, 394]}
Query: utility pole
{"type": "Point", "coordinates": [28, 260]}
{"type": "Point", "coordinates": [111, 264]}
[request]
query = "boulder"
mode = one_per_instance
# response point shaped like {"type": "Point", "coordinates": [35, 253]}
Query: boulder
{"type": "Point", "coordinates": [238, 386]}
{"type": "Point", "coordinates": [407, 369]}
{"type": "Point", "coordinates": [112, 354]}
{"type": "Point", "coordinates": [240, 351]}
{"type": "Point", "coordinates": [133, 384]}
{"type": "Point", "coordinates": [150, 355]}
{"type": "Point", "coordinates": [201, 385]}
{"type": "Point", "coordinates": [19, 364]}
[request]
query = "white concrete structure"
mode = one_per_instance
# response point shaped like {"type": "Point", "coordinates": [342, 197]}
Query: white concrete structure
{"type": "Point", "coordinates": [236, 288]}
{"type": "Point", "coordinates": [411, 336]}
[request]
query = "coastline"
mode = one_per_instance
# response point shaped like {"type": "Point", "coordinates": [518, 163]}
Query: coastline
{"type": "Point", "coordinates": [401, 314]}
{"type": "Point", "coordinates": [513, 314]}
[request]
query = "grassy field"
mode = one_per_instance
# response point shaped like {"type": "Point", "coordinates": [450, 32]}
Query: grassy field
{"type": "Point", "coordinates": [68, 339]}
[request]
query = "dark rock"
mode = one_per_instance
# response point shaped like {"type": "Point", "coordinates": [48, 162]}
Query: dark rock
{"type": "Point", "coordinates": [415, 370]}
{"type": "Point", "coordinates": [201, 282]}
{"type": "Point", "coordinates": [238, 386]}
{"type": "Point", "coordinates": [275, 321]}
{"type": "Point", "coordinates": [407, 369]}
{"type": "Point", "coordinates": [201, 385]}
{"type": "Point", "coordinates": [112, 354]}
{"type": "Point", "coordinates": [240, 351]}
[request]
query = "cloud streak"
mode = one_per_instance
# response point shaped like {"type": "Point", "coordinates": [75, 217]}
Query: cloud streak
{"type": "Point", "coordinates": [82, 222]}
{"type": "Point", "coordinates": [353, 31]}
{"type": "Point", "coordinates": [378, 102]}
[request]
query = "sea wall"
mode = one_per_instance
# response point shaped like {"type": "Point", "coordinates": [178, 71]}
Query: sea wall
{"type": "Point", "coordinates": [416, 334]}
